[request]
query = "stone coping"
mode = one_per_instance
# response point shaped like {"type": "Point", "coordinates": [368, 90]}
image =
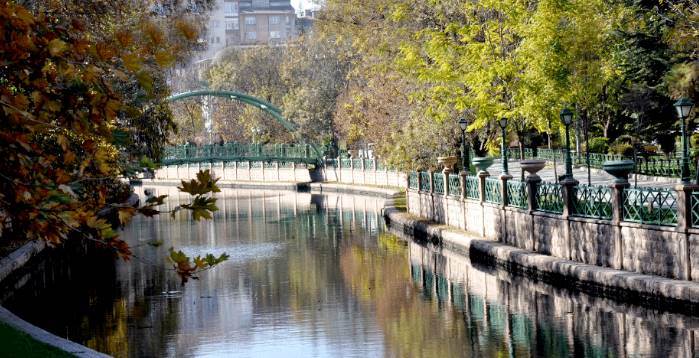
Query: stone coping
{"type": "Point", "coordinates": [8, 265]}
{"type": "Point", "coordinates": [238, 184]}
{"type": "Point", "coordinates": [46, 337]}
{"type": "Point", "coordinates": [354, 189]}
{"type": "Point", "coordinates": [611, 281]}
{"type": "Point", "coordinates": [19, 257]}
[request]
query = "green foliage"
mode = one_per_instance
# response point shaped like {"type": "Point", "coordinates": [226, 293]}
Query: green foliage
{"type": "Point", "coordinates": [188, 267]}
{"type": "Point", "coordinates": [621, 148]}
{"type": "Point", "coordinates": [599, 145]}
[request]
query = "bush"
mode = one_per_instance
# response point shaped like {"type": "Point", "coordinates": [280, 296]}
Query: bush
{"type": "Point", "coordinates": [599, 145]}
{"type": "Point", "coordinates": [624, 149]}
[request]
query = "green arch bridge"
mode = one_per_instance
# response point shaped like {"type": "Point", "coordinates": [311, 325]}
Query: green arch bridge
{"type": "Point", "coordinates": [298, 153]}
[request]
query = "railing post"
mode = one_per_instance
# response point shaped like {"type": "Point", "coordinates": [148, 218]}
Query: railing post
{"type": "Point", "coordinates": [462, 181]}
{"type": "Point", "coordinates": [533, 181]}
{"type": "Point", "coordinates": [482, 175]}
{"type": "Point", "coordinates": [503, 189]}
{"type": "Point", "coordinates": [568, 190]}
{"type": "Point", "coordinates": [445, 173]}
{"type": "Point", "coordinates": [684, 222]}
{"type": "Point", "coordinates": [431, 181]}
{"type": "Point", "coordinates": [617, 217]}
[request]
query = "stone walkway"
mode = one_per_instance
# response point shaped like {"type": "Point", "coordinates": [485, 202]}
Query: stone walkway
{"type": "Point", "coordinates": [598, 177]}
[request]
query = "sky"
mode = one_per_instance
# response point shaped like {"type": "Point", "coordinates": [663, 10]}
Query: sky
{"type": "Point", "coordinates": [307, 4]}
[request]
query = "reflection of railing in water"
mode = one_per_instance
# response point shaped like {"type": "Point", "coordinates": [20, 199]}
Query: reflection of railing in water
{"type": "Point", "coordinates": [530, 317]}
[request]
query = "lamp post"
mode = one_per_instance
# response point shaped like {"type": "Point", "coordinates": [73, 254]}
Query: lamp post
{"type": "Point", "coordinates": [567, 119]}
{"type": "Point", "coordinates": [684, 107]}
{"type": "Point", "coordinates": [503, 126]}
{"type": "Point", "coordinates": [463, 123]}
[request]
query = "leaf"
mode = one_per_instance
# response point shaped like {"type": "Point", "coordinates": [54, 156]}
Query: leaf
{"type": "Point", "coordinates": [57, 47]}
{"type": "Point", "coordinates": [157, 200]}
{"type": "Point", "coordinates": [125, 215]}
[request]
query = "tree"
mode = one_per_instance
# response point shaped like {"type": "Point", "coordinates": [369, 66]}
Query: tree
{"type": "Point", "coordinates": [77, 104]}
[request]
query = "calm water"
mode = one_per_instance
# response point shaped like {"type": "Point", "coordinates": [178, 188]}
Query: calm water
{"type": "Point", "coordinates": [318, 276]}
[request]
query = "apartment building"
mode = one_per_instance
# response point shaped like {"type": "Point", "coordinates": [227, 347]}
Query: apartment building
{"type": "Point", "coordinates": [234, 23]}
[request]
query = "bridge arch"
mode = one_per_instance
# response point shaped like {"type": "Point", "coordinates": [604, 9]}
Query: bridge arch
{"type": "Point", "coordinates": [240, 97]}
{"type": "Point", "coordinates": [271, 109]}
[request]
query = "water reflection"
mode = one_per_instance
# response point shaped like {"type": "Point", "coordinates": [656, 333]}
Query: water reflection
{"type": "Point", "coordinates": [317, 275]}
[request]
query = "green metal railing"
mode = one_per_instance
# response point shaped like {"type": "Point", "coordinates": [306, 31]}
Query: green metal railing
{"type": "Point", "coordinates": [425, 182]}
{"type": "Point", "coordinates": [694, 205]}
{"type": "Point", "coordinates": [412, 181]}
{"type": "Point", "coordinates": [454, 185]}
{"type": "Point", "coordinates": [239, 152]}
{"type": "Point", "coordinates": [493, 191]}
{"type": "Point", "coordinates": [438, 183]}
{"type": "Point", "coordinates": [517, 194]}
{"type": "Point", "coordinates": [549, 198]}
{"type": "Point", "coordinates": [653, 206]}
{"type": "Point", "coordinates": [653, 166]}
{"type": "Point", "coordinates": [593, 201]}
{"type": "Point", "coordinates": [473, 190]}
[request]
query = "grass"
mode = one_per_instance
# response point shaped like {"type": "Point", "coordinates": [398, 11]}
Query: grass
{"type": "Point", "coordinates": [400, 203]}
{"type": "Point", "coordinates": [14, 343]}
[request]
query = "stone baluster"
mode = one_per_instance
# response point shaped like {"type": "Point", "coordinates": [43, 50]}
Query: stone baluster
{"type": "Point", "coordinates": [684, 223]}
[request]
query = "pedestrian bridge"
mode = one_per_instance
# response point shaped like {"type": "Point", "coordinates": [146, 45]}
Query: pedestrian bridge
{"type": "Point", "coordinates": [241, 152]}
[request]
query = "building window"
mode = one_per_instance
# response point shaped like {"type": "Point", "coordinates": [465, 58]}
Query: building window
{"type": "Point", "coordinates": [251, 35]}
{"type": "Point", "coordinates": [250, 20]}
{"type": "Point", "coordinates": [275, 34]}
{"type": "Point", "coordinates": [232, 24]}
{"type": "Point", "coordinates": [230, 8]}
{"type": "Point", "coordinates": [274, 20]}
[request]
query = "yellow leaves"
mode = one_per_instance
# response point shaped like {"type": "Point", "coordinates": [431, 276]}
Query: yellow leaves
{"type": "Point", "coordinates": [125, 215]}
{"type": "Point", "coordinates": [57, 47]}
{"type": "Point", "coordinates": [164, 58]}
{"type": "Point", "coordinates": [132, 62]}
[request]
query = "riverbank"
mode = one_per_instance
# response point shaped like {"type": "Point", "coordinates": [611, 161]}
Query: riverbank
{"type": "Point", "coordinates": [618, 284]}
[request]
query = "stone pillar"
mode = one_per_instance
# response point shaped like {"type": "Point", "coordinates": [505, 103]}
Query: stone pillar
{"type": "Point", "coordinates": [684, 222]}
{"type": "Point", "coordinates": [617, 216]}
{"type": "Point", "coordinates": [532, 181]}
{"type": "Point", "coordinates": [503, 189]}
{"type": "Point", "coordinates": [430, 175]}
{"type": "Point", "coordinates": [481, 185]}
{"type": "Point", "coordinates": [568, 191]}
{"type": "Point", "coordinates": [276, 169]}
{"type": "Point", "coordinates": [462, 180]}
{"type": "Point", "coordinates": [482, 175]}
{"type": "Point", "coordinates": [568, 186]}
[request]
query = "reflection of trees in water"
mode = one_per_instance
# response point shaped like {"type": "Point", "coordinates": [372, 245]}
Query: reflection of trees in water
{"type": "Point", "coordinates": [535, 319]}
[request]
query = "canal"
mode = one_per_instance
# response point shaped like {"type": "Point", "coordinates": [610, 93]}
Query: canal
{"type": "Point", "coordinates": [319, 276]}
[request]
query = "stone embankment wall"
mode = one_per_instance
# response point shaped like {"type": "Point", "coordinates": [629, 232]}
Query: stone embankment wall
{"type": "Point", "coordinates": [668, 251]}
{"type": "Point", "coordinates": [362, 172]}
{"type": "Point", "coordinates": [239, 171]}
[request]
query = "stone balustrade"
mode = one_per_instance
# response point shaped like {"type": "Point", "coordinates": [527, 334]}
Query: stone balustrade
{"type": "Point", "coordinates": [644, 230]}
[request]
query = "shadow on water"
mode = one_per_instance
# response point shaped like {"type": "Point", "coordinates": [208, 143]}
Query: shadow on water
{"type": "Point", "coordinates": [318, 275]}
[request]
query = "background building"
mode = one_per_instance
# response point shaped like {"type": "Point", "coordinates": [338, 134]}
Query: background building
{"type": "Point", "coordinates": [234, 23]}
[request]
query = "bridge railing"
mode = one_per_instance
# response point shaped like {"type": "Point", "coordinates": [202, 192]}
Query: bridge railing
{"type": "Point", "coordinates": [239, 151]}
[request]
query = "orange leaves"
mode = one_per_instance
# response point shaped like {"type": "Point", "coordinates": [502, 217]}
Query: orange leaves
{"type": "Point", "coordinates": [104, 51]}
{"type": "Point", "coordinates": [124, 38]}
{"type": "Point", "coordinates": [187, 30]}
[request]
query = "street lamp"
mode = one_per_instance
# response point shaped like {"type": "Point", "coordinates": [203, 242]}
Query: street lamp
{"type": "Point", "coordinates": [463, 123]}
{"type": "Point", "coordinates": [503, 126]}
{"type": "Point", "coordinates": [567, 119]}
{"type": "Point", "coordinates": [684, 107]}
